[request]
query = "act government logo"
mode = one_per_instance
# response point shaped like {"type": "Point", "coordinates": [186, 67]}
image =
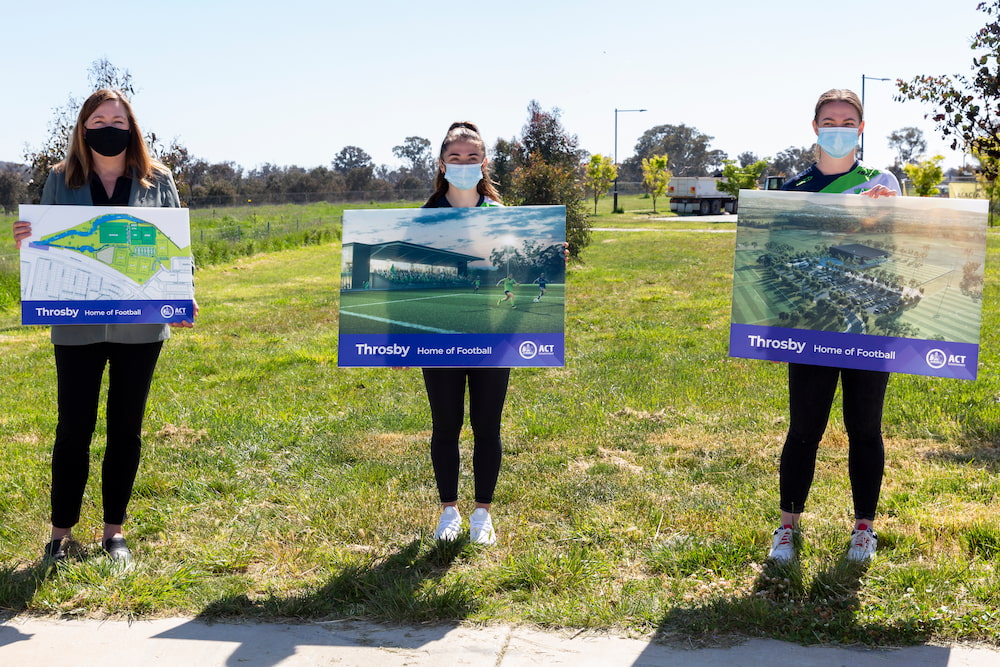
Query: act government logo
{"type": "Point", "coordinates": [936, 358]}
{"type": "Point", "coordinates": [167, 310]}
{"type": "Point", "coordinates": [529, 349]}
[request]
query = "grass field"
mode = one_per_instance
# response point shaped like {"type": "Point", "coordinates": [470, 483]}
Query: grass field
{"type": "Point", "coordinates": [758, 298]}
{"type": "Point", "coordinates": [452, 311]}
{"type": "Point", "coordinates": [638, 491]}
{"type": "Point", "coordinates": [947, 313]}
{"type": "Point", "coordinates": [639, 215]}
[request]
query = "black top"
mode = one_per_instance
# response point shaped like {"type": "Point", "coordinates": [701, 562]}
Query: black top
{"type": "Point", "coordinates": [123, 188]}
{"type": "Point", "coordinates": [442, 202]}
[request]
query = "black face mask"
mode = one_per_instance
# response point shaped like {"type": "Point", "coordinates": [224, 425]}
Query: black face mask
{"type": "Point", "coordinates": [108, 141]}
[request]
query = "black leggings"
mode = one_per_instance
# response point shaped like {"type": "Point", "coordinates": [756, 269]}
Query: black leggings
{"type": "Point", "coordinates": [810, 396]}
{"type": "Point", "coordinates": [79, 370]}
{"type": "Point", "coordinates": [446, 393]}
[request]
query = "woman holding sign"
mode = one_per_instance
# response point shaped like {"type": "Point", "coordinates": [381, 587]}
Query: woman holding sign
{"type": "Point", "coordinates": [838, 121]}
{"type": "Point", "coordinates": [463, 181]}
{"type": "Point", "coordinates": [107, 164]}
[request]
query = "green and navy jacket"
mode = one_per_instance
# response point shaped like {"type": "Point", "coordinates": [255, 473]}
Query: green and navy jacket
{"type": "Point", "coordinates": [859, 179]}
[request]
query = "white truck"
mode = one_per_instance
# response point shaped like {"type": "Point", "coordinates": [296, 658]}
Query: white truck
{"type": "Point", "coordinates": [699, 195]}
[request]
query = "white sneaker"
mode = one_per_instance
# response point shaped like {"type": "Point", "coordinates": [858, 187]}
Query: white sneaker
{"type": "Point", "coordinates": [449, 525]}
{"type": "Point", "coordinates": [863, 545]}
{"type": "Point", "coordinates": [481, 527]}
{"type": "Point", "coordinates": [783, 545]}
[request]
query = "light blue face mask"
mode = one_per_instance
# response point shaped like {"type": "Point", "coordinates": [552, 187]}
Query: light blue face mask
{"type": "Point", "coordinates": [837, 142]}
{"type": "Point", "coordinates": [463, 176]}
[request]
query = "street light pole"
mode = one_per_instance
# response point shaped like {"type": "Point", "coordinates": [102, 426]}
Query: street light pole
{"type": "Point", "coordinates": [618, 111]}
{"type": "Point", "coordinates": [861, 152]}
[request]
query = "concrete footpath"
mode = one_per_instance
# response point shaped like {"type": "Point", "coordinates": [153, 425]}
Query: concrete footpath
{"type": "Point", "coordinates": [172, 641]}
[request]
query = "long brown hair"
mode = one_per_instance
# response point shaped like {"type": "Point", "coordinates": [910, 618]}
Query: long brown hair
{"type": "Point", "coordinates": [463, 131]}
{"type": "Point", "coordinates": [78, 165]}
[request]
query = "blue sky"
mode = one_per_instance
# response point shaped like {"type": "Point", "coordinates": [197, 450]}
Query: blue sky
{"type": "Point", "coordinates": [294, 82]}
{"type": "Point", "coordinates": [472, 231]}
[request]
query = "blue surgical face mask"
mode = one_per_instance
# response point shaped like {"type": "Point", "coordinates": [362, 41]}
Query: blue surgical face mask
{"type": "Point", "coordinates": [463, 176]}
{"type": "Point", "coordinates": [837, 142]}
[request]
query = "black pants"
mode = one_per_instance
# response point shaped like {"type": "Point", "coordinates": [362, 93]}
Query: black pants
{"type": "Point", "coordinates": [446, 393]}
{"type": "Point", "coordinates": [79, 369]}
{"type": "Point", "coordinates": [810, 397]}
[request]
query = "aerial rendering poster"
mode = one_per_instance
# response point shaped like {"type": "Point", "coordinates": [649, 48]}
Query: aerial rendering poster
{"type": "Point", "coordinates": [892, 284]}
{"type": "Point", "coordinates": [480, 286]}
{"type": "Point", "coordinates": [107, 265]}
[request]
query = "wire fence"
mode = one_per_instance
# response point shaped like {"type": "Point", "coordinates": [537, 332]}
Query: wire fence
{"type": "Point", "coordinates": [629, 188]}
{"type": "Point", "coordinates": [232, 238]}
{"type": "Point", "coordinates": [386, 195]}
{"type": "Point", "coordinates": [340, 197]}
{"type": "Point", "coordinates": [246, 230]}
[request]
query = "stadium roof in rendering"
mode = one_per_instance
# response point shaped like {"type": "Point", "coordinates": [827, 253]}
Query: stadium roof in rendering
{"type": "Point", "coordinates": [858, 251]}
{"type": "Point", "coordinates": [401, 251]}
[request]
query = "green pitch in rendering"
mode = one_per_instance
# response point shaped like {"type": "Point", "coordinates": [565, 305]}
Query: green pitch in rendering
{"type": "Point", "coordinates": [451, 310]}
{"type": "Point", "coordinates": [129, 245]}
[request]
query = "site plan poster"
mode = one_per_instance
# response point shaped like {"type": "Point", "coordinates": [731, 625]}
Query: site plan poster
{"type": "Point", "coordinates": [106, 265]}
{"type": "Point", "coordinates": [890, 284]}
{"type": "Point", "coordinates": [480, 286]}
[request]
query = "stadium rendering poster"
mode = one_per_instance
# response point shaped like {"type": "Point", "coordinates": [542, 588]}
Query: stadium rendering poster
{"type": "Point", "coordinates": [890, 284]}
{"type": "Point", "coordinates": [453, 287]}
{"type": "Point", "coordinates": [107, 265]}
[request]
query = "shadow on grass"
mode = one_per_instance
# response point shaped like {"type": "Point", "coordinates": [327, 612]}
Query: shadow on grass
{"type": "Point", "coordinates": [18, 585]}
{"type": "Point", "coordinates": [781, 605]}
{"type": "Point", "coordinates": [975, 451]}
{"type": "Point", "coordinates": [408, 585]}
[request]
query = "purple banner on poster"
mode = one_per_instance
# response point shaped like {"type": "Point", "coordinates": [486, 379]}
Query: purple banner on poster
{"type": "Point", "coordinates": [107, 312]}
{"type": "Point", "coordinates": [863, 351]}
{"type": "Point", "coordinates": [456, 350]}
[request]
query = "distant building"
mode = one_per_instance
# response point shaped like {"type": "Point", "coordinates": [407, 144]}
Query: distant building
{"type": "Point", "coordinates": [859, 254]}
{"type": "Point", "coordinates": [383, 265]}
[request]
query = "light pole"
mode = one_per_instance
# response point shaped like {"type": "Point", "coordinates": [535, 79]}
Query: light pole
{"type": "Point", "coordinates": [509, 243]}
{"type": "Point", "coordinates": [618, 111]}
{"type": "Point", "coordinates": [861, 152]}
